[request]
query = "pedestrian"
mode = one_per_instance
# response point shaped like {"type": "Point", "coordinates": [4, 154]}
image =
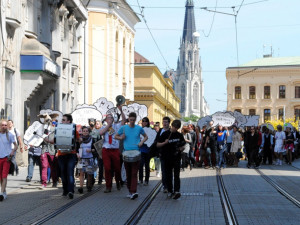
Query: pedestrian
{"type": "Point", "coordinates": [236, 145]}
{"type": "Point", "coordinates": [221, 147]}
{"type": "Point", "coordinates": [34, 158]}
{"type": "Point", "coordinates": [6, 152]}
{"type": "Point", "coordinates": [211, 147]}
{"type": "Point", "coordinates": [192, 130]}
{"type": "Point", "coordinates": [95, 133]}
{"type": "Point", "coordinates": [267, 147]}
{"type": "Point", "coordinates": [131, 135]}
{"type": "Point", "coordinates": [67, 162]}
{"type": "Point", "coordinates": [86, 159]}
{"type": "Point", "coordinates": [185, 159]}
{"type": "Point", "coordinates": [197, 144]}
{"type": "Point", "coordinates": [172, 143]}
{"type": "Point", "coordinates": [14, 131]}
{"type": "Point", "coordinates": [145, 157]}
{"type": "Point", "coordinates": [279, 145]}
{"type": "Point", "coordinates": [252, 148]}
{"type": "Point", "coordinates": [110, 149]}
{"type": "Point", "coordinates": [203, 150]}
{"type": "Point", "coordinates": [229, 157]}
{"type": "Point", "coordinates": [289, 145]}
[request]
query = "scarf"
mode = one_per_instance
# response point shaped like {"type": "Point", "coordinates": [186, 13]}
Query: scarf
{"type": "Point", "coordinates": [86, 139]}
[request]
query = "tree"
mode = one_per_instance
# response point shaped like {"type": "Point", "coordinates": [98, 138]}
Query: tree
{"type": "Point", "coordinates": [192, 118]}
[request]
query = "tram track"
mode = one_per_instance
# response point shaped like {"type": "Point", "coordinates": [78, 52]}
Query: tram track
{"type": "Point", "coordinates": [228, 211]}
{"type": "Point", "coordinates": [279, 188]}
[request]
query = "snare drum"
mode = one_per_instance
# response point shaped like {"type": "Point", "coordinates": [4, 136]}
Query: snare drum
{"type": "Point", "coordinates": [131, 156]}
{"type": "Point", "coordinates": [65, 137]}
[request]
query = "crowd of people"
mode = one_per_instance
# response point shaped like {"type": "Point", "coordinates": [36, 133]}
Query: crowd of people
{"type": "Point", "coordinates": [125, 157]}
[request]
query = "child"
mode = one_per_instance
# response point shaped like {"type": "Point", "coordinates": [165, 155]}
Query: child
{"type": "Point", "coordinates": [172, 144]}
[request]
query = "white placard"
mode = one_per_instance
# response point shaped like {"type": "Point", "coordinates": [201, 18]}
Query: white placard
{"type": "Point", "coordinates": [204, 121]}
{"type": "Point", "coordinates": [82, 115]}
{"type": "Point", "coordinates": [34, 134]}
{"type": "Point", "coordinates": [251, 121]}
{"type": "Point", "coordinates": [103, 105]}
{"type": "Point", "coordinates": [223, 118]}
{"type": "Point", "coordinates": [151, 136]}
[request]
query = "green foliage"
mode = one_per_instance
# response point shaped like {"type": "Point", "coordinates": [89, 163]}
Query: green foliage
{"type": "Point", "coordinates": [192, 118]}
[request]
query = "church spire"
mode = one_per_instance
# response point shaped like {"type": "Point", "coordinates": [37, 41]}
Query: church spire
{"type": "Point", "coordinates": [189, 26]}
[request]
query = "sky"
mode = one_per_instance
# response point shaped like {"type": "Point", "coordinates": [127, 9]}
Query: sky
{"type": "Point", "coordinates": [262, 25]}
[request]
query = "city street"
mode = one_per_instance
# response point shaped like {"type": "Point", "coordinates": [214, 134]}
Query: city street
{"type": "Point", "coordinates": [253, 200]}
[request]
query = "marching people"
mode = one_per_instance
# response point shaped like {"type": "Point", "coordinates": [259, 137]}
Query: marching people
{"type": "Point", "coordinates": [185, 154]}
{"type": "Point", "coordinates": [279, 145]}
{"type": "Point", "coordinates": [145, 157]}
{"type": "Point", "coordinates": [110, 149]}
{"type": "Point", "coordinates": [252, 148]}
{"type": "Point", "coordinates": [229, 157]}
{"type": "Point", "coordinates": [131, 135]}
{"type": "Point", "coordinates": [236, 145]}
{"type": "Point", "coordinates": [267, 146]}
{"type": "Point", "coordinates": [48, 153]}
{"type": "Point", "coordinates": [222, 132]}
{"type": "Point", "coordinates": [289, 145]}
{"type": "Point", "coordinates": [86, 159]}
{"type": "Point", "coordinates": [67, 162]}
{"type": "Point", "coordinates": [172, 143]}
{"type": "Point", "coordinates": [210, 144]}
{"type": "Point", "coordinates": [193, 144]}
{"type": "Point", "coordinates": [6, 152]}
{"type": "Point", "coordinates": [197, 144]}
{"type": "Point", "coordinates": [202, 149]}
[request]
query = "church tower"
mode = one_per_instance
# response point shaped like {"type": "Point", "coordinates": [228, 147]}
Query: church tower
{"type": "Point", "coordinates": [188, 78]}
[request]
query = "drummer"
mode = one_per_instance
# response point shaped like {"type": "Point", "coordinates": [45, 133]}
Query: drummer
{"type": "Point", "coordinates": [67, 162]}
{"type": "Point", "coordinates": [110, 149]}
{"type": "Point", "coordinates": [131, 135]}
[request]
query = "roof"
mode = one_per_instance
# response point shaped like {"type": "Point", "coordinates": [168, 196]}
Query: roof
{"type": "Point", "coordinates": [138, 58]}
{"type": "Point", "coordinates": [272, 61]}
{"type": "Point", "coordinates": [189, 26]}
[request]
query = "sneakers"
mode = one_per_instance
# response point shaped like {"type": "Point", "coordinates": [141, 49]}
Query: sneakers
{"type": "Point", "coordinates": [158, 175]}
{"type": "Point", "coordinates": [107, 190]}
{"type": "Point", "coordinates": [176, 195]}
{"type": "Point", "coordinates": [4, 195]}
{"type": "Point", "coordinates": [129, 195]}
{"type": "Point", "coordinates": [170, 195]}
{"type": "Point", "coordinates": [134, 196]}
{"type": "Point", "coordinates": [70, 195]}
{"type": "Point", "coordinates": [28, 179]}
{"type": "Point", "coordinates": [43, 186]}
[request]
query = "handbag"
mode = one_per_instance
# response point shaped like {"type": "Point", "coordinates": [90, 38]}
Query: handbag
{"type": "Point", "coordinates": [98, 146]}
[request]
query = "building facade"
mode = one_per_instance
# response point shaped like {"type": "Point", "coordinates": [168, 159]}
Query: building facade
{"type": "Point", "coordinates": [154, 90]}
{"type": "Point", "coordinates": [269, 87]}
{"type": "Point", "coordinates": [110, 50]}
{"type": "Point", "coordinates": [41, 64]}
{"type": "Point", "coordinates": [189, 86]}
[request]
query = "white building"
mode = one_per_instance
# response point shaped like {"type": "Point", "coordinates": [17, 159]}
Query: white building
{"type": "Point", "coordinates": [189, 86]}
{"type": "Point", "coordinates": [42, 60]}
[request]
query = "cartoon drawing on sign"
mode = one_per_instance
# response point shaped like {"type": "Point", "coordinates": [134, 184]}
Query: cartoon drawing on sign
{"type": "Point", "coordinates": [240, 119]}
{"type": "Point", "coordinates": [140, 110]}
{"type": "Point", "coordinates": [50, 112]}
{"type": "Point", "coordinates": [223, 118]}
{"type": "Point", "coordinates": [204, 121]}
{"type": "Point", "coordinates": [82, 115]}
{"type": "Point", "coordinates": [85, 106]}
{"type": "Point", "coordinates": [33, 135]}
{"type": "Point", "coordinates": [103, 105]}
{"type": "Point", "coordinates": [251, 121]}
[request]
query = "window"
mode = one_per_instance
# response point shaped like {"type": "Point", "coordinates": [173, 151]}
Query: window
{"type": "Point", "coordinates": [238, 110]}
{"type": "Point", "coordinates": [182, 98]}
{"type": "Point", "coordinates": [280, 114]}
{"type": "Point", "coordinates": [251, 92]}
{"type": "Point", "coordinates": [196, 96]}
{"type": "Point", "coordinates": [252, 112]}
{"type": "Point", "coordinates": [8, 94]}
{"type": "Point", "coordinates": [267, 115]}
{"type": "Point", "coordinates": [282, 91]}
{"type": "Point", "coordinates": [297, 113]}
{"type": "Point", "coordinates": [237, 92]}
{"type": "Point", "coordinates": [267, 92]}
{"type": "Point", "coordinates": [297, 92]}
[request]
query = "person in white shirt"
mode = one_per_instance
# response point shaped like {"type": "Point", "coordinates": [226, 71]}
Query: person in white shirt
{"type": "Point", "coordinates": [279, 145]}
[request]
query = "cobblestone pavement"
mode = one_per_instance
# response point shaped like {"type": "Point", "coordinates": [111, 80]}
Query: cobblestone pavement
{"type": "Point", "coordinates": [253, 199]}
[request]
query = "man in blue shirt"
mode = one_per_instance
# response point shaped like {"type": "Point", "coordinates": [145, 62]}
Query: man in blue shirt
{"type": "Point", "coordinates": [221, 138]}
{"type": "Point", "coordinates": [131, 135]}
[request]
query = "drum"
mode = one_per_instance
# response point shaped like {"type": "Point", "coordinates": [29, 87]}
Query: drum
{"type": "Point", "coordinates": [131, 156]}
{"type": "Point", "coordinates": [64, 139]}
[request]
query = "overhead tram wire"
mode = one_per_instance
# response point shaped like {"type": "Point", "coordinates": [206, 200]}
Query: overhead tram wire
{"type": "Point", "coordinates": [212, 22]}
{"type": "Point", "coordinates": [141, 10]}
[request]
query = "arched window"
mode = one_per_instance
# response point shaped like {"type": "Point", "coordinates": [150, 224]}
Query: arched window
{"type": "Point", "coordinates": [182, 98]}
{"type": "Point", "coordinates": [196, 96]}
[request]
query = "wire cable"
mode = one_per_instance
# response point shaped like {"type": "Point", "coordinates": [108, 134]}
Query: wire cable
{"type": "Point", "coordinates": [212, 21]}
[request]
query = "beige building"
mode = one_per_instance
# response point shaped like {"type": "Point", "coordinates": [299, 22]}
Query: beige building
{"type": "Point", "coordinates": [269, 87]}
{"type": "Point", "coordinates": [154, 90]}
{"type": "Point", "coordinates": [110, 50]}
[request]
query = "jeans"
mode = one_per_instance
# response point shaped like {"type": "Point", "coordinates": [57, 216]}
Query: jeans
{"type": "Point", "coordinates": [173, 166]}
{"type": "Point", "coordinates": [33, 160]}
{"type": "Point", "coordinates": [131, 174]}
{"type": "Point", "coordinates": [46, 160]}
{"type": "Point", "coordinates": [67, 165]}
{"type": "Point", "coordinates": [220, 155]}
{"type": "Point", "coordinates": [145, 160]}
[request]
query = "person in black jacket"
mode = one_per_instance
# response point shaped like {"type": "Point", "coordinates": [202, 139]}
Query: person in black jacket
{"type": "Point", "coordinates": [252, 148]}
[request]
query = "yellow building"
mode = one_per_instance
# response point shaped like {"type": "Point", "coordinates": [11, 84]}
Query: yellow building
{"type": "Point", "coordinates": [154, 90]}
{"type": "Point", "coordinates": [110, 50]}
{"type": "Point", "coordinates": [269, 87]}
